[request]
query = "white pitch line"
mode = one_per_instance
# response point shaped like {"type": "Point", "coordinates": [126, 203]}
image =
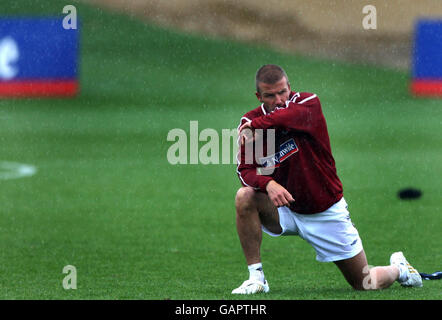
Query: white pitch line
{"type": "Point", "coordinates": [14, 170]}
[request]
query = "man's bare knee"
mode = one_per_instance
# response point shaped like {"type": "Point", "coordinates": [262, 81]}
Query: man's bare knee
{"type": "Point", "coordinates": [358, 286]}
{"type": "Point", "coordinates": [383, 277]}
{"type": "Point", "coordinates": [245, 198]}
{"type": "Point", "coordinates": [375, 278]}
{"type": "Point", "coordinates": [355, 270]}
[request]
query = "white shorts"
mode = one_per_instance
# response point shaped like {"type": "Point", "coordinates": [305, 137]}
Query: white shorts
{"type": "Point", "coordinates": [331, 233]}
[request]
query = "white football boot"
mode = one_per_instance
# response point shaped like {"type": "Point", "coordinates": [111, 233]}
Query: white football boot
{"type": "Point", "coordinates": [252, 286]}
{"type": "Point", "coordinates": [413, 278]}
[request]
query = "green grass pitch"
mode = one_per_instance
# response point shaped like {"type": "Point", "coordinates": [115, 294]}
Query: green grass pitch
{"type": "Point", "coordinates": [105, 199]}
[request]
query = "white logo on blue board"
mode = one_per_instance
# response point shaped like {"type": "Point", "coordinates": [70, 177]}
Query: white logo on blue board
{"type": "Point", "coordinates": [9, 55]}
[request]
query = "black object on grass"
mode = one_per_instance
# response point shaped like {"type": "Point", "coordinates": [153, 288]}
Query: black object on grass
{"type": "Point", "coordinates": [434, 276]}
{"type": "Point", "coordinates": [409, 193]}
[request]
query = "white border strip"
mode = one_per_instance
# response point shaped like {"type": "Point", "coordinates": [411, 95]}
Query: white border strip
{"type": "Point", "coordinates": [307, 99]}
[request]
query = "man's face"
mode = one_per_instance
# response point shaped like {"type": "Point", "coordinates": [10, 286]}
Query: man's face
{"type": "Point", "coordinates": [274, 95]}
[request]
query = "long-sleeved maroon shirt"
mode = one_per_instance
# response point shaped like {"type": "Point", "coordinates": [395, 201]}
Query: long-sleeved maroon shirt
{"type": "Point", "coordinates": [302, 162]}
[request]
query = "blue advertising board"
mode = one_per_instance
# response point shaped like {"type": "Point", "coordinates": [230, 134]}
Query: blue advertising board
{"type": "Point", "coordinates": [38, 57]}
{"type": "Point", "coordinates": [427, 58]}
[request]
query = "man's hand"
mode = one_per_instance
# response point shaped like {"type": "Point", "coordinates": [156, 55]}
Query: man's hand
{"type": "Point", "coordinates": [246, 132]}
{"type": "Point", "coordinates": [278, 194]}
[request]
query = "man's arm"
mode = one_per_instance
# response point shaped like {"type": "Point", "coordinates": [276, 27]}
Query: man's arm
{"type": "Point", "coordinates": [277, 193]}
{"type": "Point", "coordinates": [296, 116]}
{"type": "Point", "coordinates": [247, 172]}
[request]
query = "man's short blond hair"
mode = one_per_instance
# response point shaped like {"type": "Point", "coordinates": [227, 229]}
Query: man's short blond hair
{"type": "Point", "coordinates": [270, 74]}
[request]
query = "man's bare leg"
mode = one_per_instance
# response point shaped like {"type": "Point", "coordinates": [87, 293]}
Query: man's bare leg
{"type": "Point", "coordinates": [360, 277]}
{"type": "Point", "coordinates": [254, 209]}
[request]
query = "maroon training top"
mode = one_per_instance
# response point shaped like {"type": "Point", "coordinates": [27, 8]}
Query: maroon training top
{"type": "Point", "coordinates": [302, 162]}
